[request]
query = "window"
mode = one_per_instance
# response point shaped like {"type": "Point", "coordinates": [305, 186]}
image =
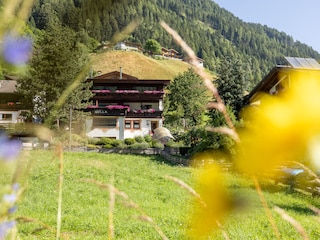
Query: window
{"type": "Point", "coordinates": [145, 107]}
{"type": "Point", "coordinates": [127, 124]}
{"type": "Point", "coordinates": [104, 122]}
{"type": "Point", "coordinates": [7, 116]}
{"type": "Point", "coordinates": [136, 124]}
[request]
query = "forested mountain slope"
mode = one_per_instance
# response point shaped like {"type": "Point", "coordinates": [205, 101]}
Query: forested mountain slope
{"type": "Point", "coordinates": [211, 31]}
{"type": "Point", "coordinates": [137, 64]}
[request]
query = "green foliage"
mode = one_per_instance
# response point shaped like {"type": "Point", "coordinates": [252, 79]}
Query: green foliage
{"type": "Point", "coordinates": [152, 47]}
{"type": "Point", "coordinates": [157, 144]}
{"type": "Point", "coordinates": [59, 61]}
{"type": "Point", "coordinates": [104, 141]}
{"type": "Point", "coordinates": [140, 145]}
{"type": "Point", "coordinates": [212, 32]}
{"type": "Point", "coordinates": [139, 139]}
{"type": "Point", "coordinates": [129, 141]}
{"type": "Point", "coordinates": [117, 142]}
{"type": "Point", "coordinates": [186, 100]}
{"type": "Point", "coordinates": [148, 138]}
{"type": "Point", "coordinates": [108, 146]}
{"type": "Point", "coordinates": [231, 83]}
{"type": "Point", "coordinates": [142, 178]}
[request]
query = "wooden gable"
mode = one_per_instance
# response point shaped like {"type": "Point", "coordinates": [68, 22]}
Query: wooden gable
{"type": "Point", "coordinates": [116, 75]}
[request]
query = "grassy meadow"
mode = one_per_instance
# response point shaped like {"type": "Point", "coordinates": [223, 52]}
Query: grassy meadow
{"type": "Point", "coordinates": [85, 201]}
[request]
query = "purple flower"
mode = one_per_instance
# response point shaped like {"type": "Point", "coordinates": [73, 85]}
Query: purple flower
{"type": "Point", "coordinates": [9, 149]}
{"type": "Point", "coordinates": [16, 49]}
{"type": "Point", "coordinates": [12, 209]}
{"type": "Point", "coordinates": [10, 198]}
{"type": "Point", "coordinates": [5, 227]}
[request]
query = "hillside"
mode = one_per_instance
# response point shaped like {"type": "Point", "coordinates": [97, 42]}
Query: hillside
{"type": "Point", "coordinates": [138, 65]}
{"type": "Point", "coordinates": [212, 32]}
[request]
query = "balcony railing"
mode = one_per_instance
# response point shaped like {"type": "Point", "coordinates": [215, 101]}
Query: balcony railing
{"type": "Point", "coordinates": [125, 111]}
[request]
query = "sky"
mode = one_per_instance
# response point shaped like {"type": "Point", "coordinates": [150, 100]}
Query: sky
{"type": "Point", "coordinates": [299, 19]}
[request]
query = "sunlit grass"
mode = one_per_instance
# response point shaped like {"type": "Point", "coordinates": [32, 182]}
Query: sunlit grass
{"type": "Point", "coordinates": [143, 179]}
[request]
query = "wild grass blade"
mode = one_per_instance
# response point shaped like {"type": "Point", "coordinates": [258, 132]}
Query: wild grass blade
{"type": "Point", "coordinates": [293, 222]}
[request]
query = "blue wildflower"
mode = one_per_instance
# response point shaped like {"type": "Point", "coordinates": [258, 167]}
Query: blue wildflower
{"type": "Point", "coordinates": [9, 148]}
{"type": "Point", "coordinates": [15, 187]}
{"type": "Point", "coordinates": [12, 210]}
{"type": "Point", "coordinates": [10, 198]}
{"type": "Point", "coordinates": [5, 228]}
{"type": "Point", "coordinates": [16, 49]}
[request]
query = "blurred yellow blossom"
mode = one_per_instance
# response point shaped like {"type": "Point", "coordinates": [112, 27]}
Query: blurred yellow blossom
{"type": "Point", "coordinates": [284, 127]}
{"type": "Point", "coordinates": [214, 200]}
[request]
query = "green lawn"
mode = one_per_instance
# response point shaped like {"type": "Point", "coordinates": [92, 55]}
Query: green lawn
{"type": "Point", "coordinates": [85, 205]}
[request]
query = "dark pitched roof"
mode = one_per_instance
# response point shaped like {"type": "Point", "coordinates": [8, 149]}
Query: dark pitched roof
{"type": "Point", "coordinates": [7, 86]}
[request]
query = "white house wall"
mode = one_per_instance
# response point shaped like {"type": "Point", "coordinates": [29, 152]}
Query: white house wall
{"type": "Point", "coordinates": [145, 129]}
{"type": "Point", "coordinates": [14, 119]}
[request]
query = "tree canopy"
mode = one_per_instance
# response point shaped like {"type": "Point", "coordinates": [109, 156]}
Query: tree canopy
{"type": "Point", "coordinates": [152, 46]}
{"type": "Point", "coordinates": [231, 82]}
{"type": "Point", "coordinates": [186, 100]}
{"type": "Point", "coordinates": [58, 61]}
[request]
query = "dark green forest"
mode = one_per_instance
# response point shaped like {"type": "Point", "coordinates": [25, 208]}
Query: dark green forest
{"type": "Point", "coordinates": [212, 32]}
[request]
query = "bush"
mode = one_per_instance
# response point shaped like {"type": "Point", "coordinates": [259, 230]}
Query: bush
{"type": "Point", "coordinates": [93, 141]}
{"type": "Point", "coordinates": [93, 146]}
{"type": "Point", "coordinates": [157, 144]}
{"type": "Point", "coordinates": [116, 143]}
{"type": "Point", "coordinates": [129, 141]}
{"type": "Point", "coordinates": [104, 141]}
{"type": "Point", "coordinates": [138, 145]}
{"type": "Point", "coordinates": [108, 146]}
{"type": "Point", "coordinates": [139, 139]}
{"type": "Point", "coordinates": [148, 138]}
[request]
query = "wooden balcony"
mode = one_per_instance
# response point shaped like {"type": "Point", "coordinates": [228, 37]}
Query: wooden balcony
{"type": "Point", "coordinates": [125, 113]}
{"type": "Point", "coordinates": [144, 114]}
{"type": "Point", "coordinates": [11, 107]}
{"type": "Point", "coordinates": [129, 96]}
{"type": "Point", "coordinates": [107, 112]}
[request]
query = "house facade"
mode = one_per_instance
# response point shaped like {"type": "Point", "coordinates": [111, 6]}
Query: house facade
{"type": "Point", "coordinates": [280, 78]}
{"type": "Point", "coordinates": [170, 53]}
{"type": "Point", "coordinates": [129, 46]}
{"type": "Point", "coordinates": [198, 61]}
{"type": "Point", "coordinates": [11, 109]}
{"type": "Point", "coordinates": [125, 106]}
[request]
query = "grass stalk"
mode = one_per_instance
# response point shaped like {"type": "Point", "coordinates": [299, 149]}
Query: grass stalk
{"type": "Point", "coordinates": [266, 208]}
{"type": "Point", "coordinates": [111, 212]}
{"type": "Point", "coordinates": [129, 203]}
{"type": "Point", "coordinates": [293, 222]}
{"type": "Point", "coordinates": [59, 213]}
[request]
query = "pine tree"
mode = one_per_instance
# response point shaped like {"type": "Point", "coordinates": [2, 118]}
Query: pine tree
{"type": "Point", "coordinates": [231, 83]}
{"type": "Point", "coordinates": [58, 60]}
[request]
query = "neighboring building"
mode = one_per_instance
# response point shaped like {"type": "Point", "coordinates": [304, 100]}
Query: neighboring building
{"type": "Point", "coordinates": [199, 62]}
{"type": "Point", "coordinates": [280, 78]}
{"type": "Point", "coordinates": [170, 53]}
{"type": "Point", "coordinates": [125, 106]}
{"type": "Point", "coordinates": [129, 46]}
{"type": "Point", "coordinates": [11, 109]}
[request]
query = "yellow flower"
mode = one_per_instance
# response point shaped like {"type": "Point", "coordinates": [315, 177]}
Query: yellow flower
{"type": "Point", "coordinates": [214, 200]}
{"type": "Point", "coordinates": [283, 127]}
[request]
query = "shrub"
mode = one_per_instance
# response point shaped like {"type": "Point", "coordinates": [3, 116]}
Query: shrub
{"type": "Point", "coordinates": [129, 141]}
{"type": "Point", "coordinates": [108, 146]}
{"type": "Point", "coordinates": [93, 141]}
{"type": "Point", "coordinates": [138, 145]}
{"type": "Point", "coordinates": [117, 143]}
{"type": "Point", "coordinates": [122, 145]}
{"type": "Point", "coordinates": [139, 139]}
{"type": "Point", "coordinates": [157, 144]}
{"type": "Point", "coordinates": [148, 138]}
{"type": "Point", "coordinates": [93, 146]}
{"type": "Point", "coordinates": [104, 141]}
